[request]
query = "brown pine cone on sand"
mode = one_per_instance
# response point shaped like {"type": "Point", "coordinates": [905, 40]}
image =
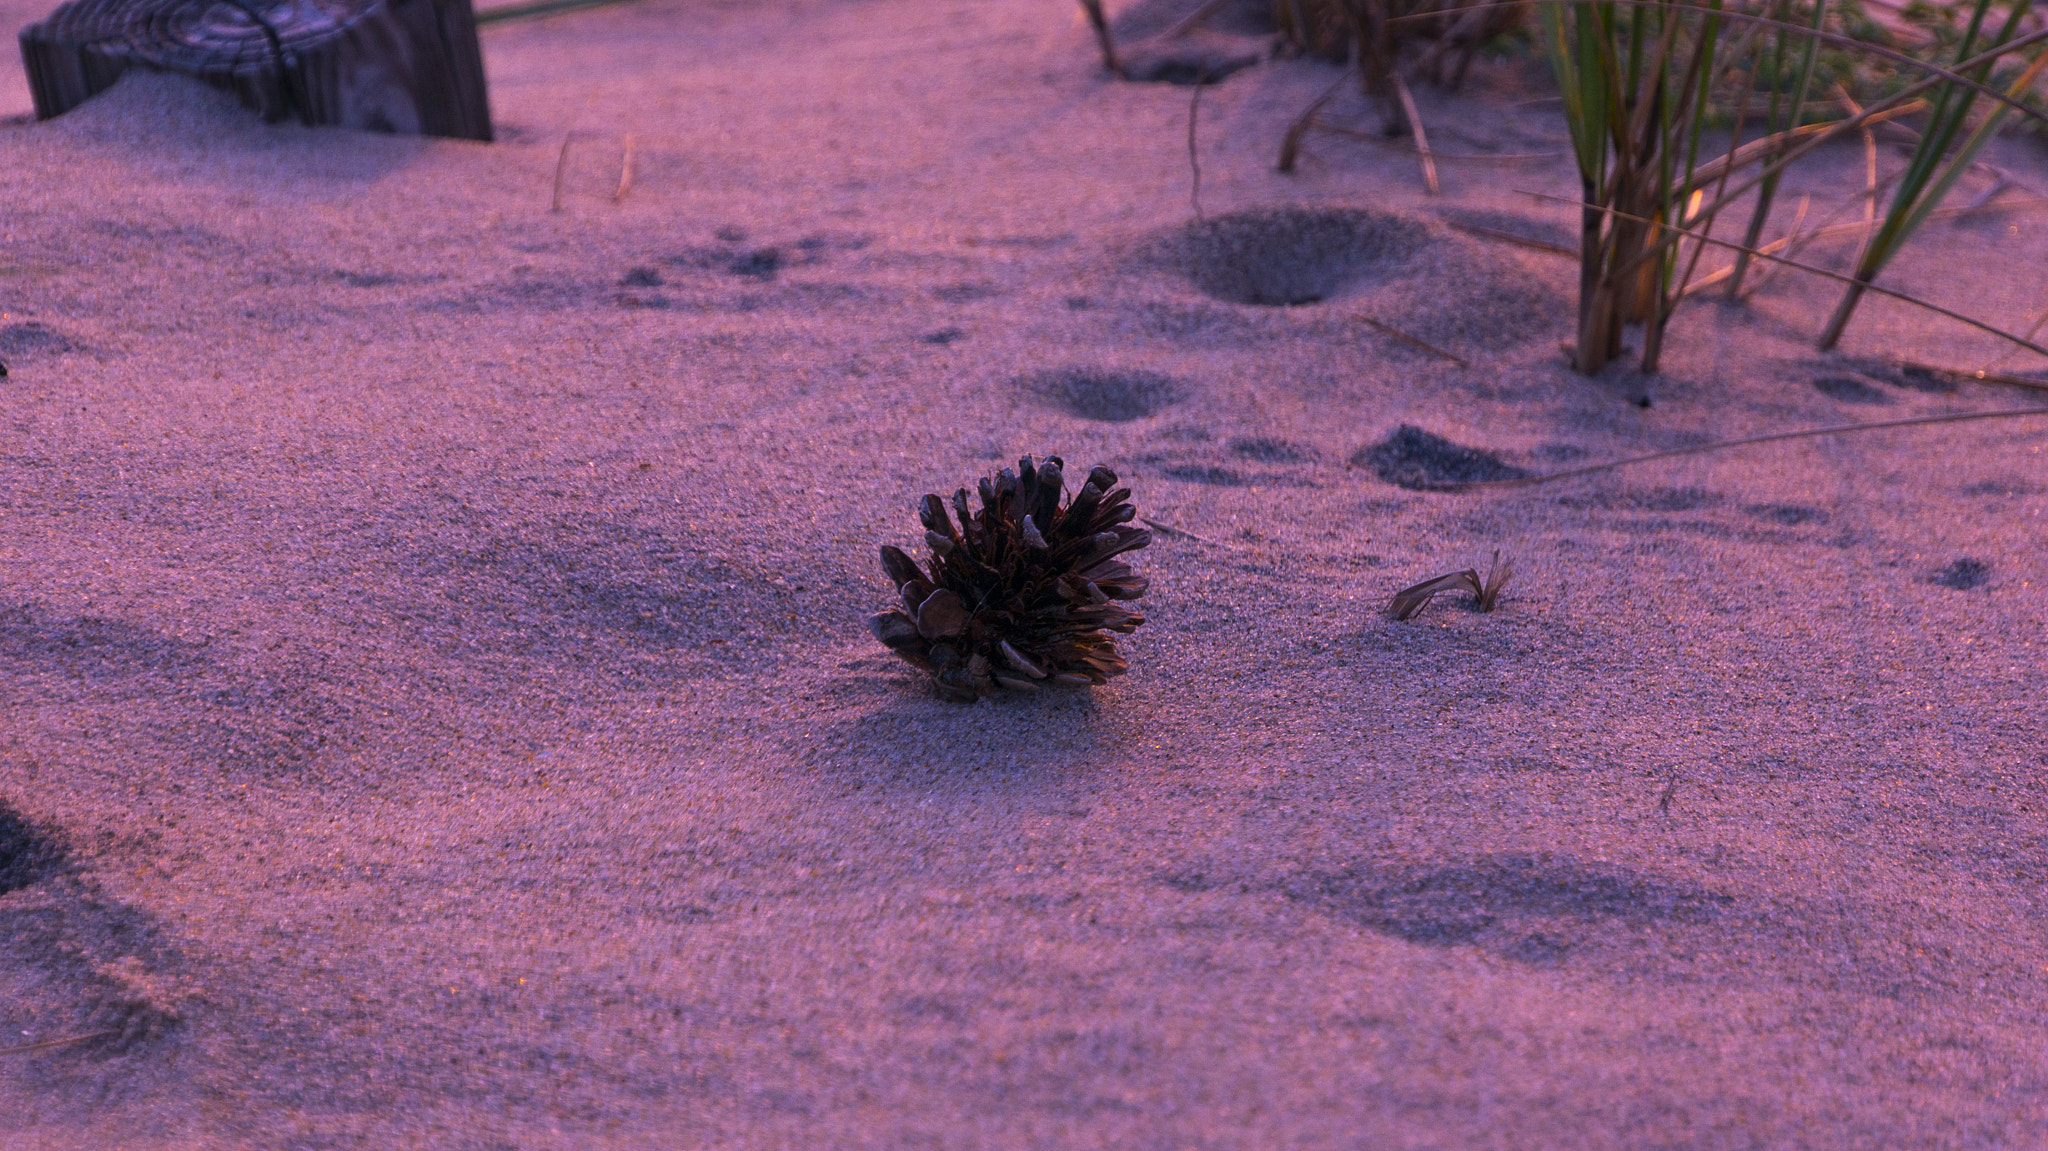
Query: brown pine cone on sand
{"type": "Point", "coordinates": [1023, 592]}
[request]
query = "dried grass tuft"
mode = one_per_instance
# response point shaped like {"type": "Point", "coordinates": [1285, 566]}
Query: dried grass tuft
{"type": "Point", "coordinates": [1409, 602]}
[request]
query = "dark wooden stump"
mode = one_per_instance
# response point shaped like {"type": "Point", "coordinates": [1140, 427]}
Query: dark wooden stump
{"type": "Point", "coordinates": [408, 66]}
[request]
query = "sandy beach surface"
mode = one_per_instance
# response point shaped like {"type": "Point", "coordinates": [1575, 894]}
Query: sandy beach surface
{"type": "Point", "coordinates": [436, 707]}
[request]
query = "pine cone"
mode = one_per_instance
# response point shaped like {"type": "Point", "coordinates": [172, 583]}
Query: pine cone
{"type": "Point", "coordinates": [1021, 593]}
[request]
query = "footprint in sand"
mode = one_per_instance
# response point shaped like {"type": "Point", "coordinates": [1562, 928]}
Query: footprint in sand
{"type": "Point", "coordinates": [1110, 395]}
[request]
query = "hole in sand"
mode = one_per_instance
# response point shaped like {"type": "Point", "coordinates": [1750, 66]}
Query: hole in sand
{"type": "Point", "coordinates": [1280, 257]}
{"type": "Point", "coordinates": [25, 853]}
{"type": "Point", "coordinates": [1413, 458]}
{"type": "Point", "coordinates": [1964, 574]}
{"type": "Point", "coordinates": [1110, 396]}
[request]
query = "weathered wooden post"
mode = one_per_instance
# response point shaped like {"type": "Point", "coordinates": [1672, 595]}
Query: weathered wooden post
{"type": "Point", "coordinates": [409, 66]}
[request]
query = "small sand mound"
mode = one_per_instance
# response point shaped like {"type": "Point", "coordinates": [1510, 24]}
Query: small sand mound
{"type": "Point", "coordinates": [1279, 257]}
{"type": "Point", "coordinates": [1112, 396]}
{"type": "Point", "coordinates": [1413, 458]}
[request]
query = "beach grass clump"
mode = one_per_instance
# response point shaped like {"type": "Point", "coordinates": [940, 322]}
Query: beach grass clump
{"type": "Point", "coordinates": [1645, 81]}
{"type": "Point", "coordinates": [1023, 593]}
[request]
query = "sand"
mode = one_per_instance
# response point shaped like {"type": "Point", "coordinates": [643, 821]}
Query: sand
{"type": "Point", "coordinates": [438, 710]}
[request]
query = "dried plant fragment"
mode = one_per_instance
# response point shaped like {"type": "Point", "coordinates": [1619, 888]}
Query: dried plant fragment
{"type": "Point", "coordinates": [1409, 601]}
{"type": "Point", "coordinates": [1022, 593]}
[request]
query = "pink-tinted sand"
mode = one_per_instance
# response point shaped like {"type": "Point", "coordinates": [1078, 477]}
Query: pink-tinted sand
{"type": "Point", "coordinates": [436, 711]}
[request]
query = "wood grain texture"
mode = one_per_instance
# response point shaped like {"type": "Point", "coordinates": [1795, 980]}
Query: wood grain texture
{"type": "Point", "coordinates": [406, 66]}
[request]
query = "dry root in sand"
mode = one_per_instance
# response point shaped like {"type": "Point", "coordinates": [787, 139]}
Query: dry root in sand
{"type": "Point", "coordinates": [1023, 592]}
{"type": "Point", "coordinates": [1409, 601]}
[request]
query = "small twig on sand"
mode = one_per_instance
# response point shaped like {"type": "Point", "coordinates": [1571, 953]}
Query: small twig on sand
{"type": "Point", "coordinates": [1173, 533]}
{"type": "Point", "coordinates": [1421, 137]}
{"type": "Point", "coordinates": [1980, 376]}
{"type": "Point", "coordinates": [1720, 445]}
{"type": "Point", "coordinates": [1518, 241]}
{"type": "Point", "coordinates": [1425, 345]}
{"type": "Point", "coordinates": [561, 169]}
{"type": "Point", "coordinates": [625, 171]}
{"type": "Point", "coordinates": [46, 1044]}
{"type": "Point", "coordinates": [2009, 353]}
{"type": "Point", "coordinates": [1099, 21]}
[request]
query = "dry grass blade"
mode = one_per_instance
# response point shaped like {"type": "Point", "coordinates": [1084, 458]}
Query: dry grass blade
{"type": "Point", "coordinates": [1994, 364]}
{"type": "Point", "coordinates": [1497, 576]}
{"type": "Point", "coordinates": [561, 170]}
{"type": "Point", "coordinates": [1417, 341]}
{"type": "Point", "coordinates": [1978, 376]}
{"type": "Point", "coordinates": [1290, 143]}
{"type": "Point", "coordinates": [1414, 116]}
{"type": "Point", "coordinates": [1724, 445]}
{"type": "Point", "coordinates": [47, 1044]}
{"type": "Point", "coordinates": [1173, 533]}
{"type": "Point", "coordinates": [1409, 601]}
{"type": "Point", "coordinates": [1518, 241]}
{"type": "Point", "coordinates": [625, 171]}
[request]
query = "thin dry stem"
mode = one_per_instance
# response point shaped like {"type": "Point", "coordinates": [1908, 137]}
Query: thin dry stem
{"type": "Point", "coordinates": [1390, 330]}
{"type": "Point", "coordinates": [561, 170]}
{"type": "Point", "coordinates": [1290, 143]}
{"type": "Point", "coordinates": [47, 1044]}
{"type": "Point", "coordinates": [1104, 39]}
{"type": "Point", "coordinates": [1414, 116]}
{"type": "Point", "coordinates": [1518, 241]}
{"type": "Point", "coordinates": [625, 171]}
